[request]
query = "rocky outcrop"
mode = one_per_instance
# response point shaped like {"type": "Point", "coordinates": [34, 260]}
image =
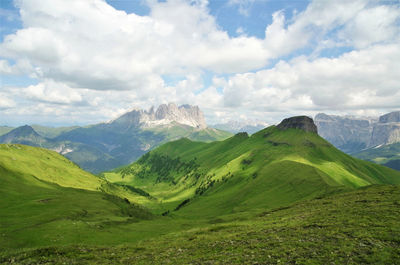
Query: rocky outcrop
{"type": "Point", "coordinates": [386, 133]}
{"type": "Point", "coordinates": [185, 114]}
{"type": "Point", "coordinates": [299, 122]}
{"type": "Point", "coordinates": [347, 133]}
{"type": "Point", "coordinates": [353, 134]}
{"type": "Point", "coordinates": [390, 117]}
{"type": "Point", "coordinates": [164, 115]}
{"type": "Point", "coordinates": [387, 130]}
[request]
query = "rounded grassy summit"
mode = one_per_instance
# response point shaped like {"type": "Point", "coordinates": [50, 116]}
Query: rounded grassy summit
{"type": "Point", "coordinates": [274, 167]}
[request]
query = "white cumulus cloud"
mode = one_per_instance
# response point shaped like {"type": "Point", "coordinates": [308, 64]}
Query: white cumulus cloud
{"type": "Point", "coordinates": [52, 92]}
{"type": "Point", "coordinates": [6, 102]}
{"type": "Point", "coordinates": [90, 59]}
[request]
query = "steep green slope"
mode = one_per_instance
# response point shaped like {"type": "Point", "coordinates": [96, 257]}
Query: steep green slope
{"type": "Point", "coordinates": [46, 165]}
{"type": "Point", "coordinates": [36, 213]}
{"type": "Point", "coordinates": [46, 199]}
{"type": "Point", "coordinates": [49, 166]}
{"type": "Point", "coordinates": [271, 168]}
{"type": "Point", "coordinates": [358, 227]}
{"type": "Point", "coordinates": [388, 155]}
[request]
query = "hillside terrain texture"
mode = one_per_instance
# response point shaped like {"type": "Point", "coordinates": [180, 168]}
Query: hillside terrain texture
{"type": "Point", "coordinates": [283, 195]}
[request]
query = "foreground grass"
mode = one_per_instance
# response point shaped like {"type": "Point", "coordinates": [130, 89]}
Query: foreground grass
{"type": "Point", "coordinates": [358, 227]}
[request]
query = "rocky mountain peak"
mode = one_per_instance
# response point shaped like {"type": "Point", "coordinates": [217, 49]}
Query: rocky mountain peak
{"type": "Point", "coordinates": [387, 130]}
{"type": "Point", "coordinates": [352, 134]}
{"type": "Point", "coordinates": [299, 122]}
{"type": "Point", "coordinates": [390, 117]}
{"type": "Point", "coordinates": [164, 115]}
{"type": "Point", "coordinates": [22, 134]}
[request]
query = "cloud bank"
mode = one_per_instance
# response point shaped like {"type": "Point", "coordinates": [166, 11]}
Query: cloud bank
{"type": "Point", "coordinates": [90, 62]}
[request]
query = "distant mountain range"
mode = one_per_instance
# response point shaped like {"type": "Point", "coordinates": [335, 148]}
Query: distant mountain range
{"type": "Point", "coordinates": [165, 115]}
{"type": "Point", "coordinates": [372, 138]}
{"type": "Point", "coordinates": [105, 146]}
{"type": "Point", "coordinates": [353, 134]}
{"type": "Point", "coordinates": [248, 126]}
{"type": "Point", "coordinates": [112, 144]}
{"type": "Point", "coordinates": [388, 155]}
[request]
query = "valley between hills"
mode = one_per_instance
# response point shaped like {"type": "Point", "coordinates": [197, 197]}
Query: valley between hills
{"type": "Point", "coordinates": [281, 195]}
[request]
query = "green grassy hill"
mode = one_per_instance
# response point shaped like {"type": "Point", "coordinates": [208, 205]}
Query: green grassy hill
{"type": "Point", "coordinates": [47, 166]}
{"type": "Point", "coordinates": [46, 199]}
{"type": "Point", "coordinates": [281, 195]}
{"type": "Point", "coordinates": [50, 167]}
{"type": "Point", "coordinates": [272, 168]}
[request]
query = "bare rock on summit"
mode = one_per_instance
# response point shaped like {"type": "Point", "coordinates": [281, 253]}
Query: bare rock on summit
{"type": "Point", "coordinates": [385, 133]}
{"type": "Point", "coordinates": [387, 130]}
{"type": "Point", "coordinates": [299, 122]}
{"type": "Point", "coordinates": [390, 117]}
{"type": "Point", "coordinates": [352, 134]}
{"type": "Point", "coordinates": [164, 115]}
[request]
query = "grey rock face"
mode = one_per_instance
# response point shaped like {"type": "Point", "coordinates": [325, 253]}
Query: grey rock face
{"type": "Point", "coordinates": [164, 115]}
{"type": "Point", "coordinates": [299, 122]}
{"type": "Point", "coordinates": [390, 117]}
{"type": "Point", "coordinates": [385, 134]}
{"type": "Point", "coordinates": [387, 130]}
{"type": "Point", "coordinates": [351, 134]}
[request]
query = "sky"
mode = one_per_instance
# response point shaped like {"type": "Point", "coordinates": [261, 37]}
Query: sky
{"type": "Point", "coordinates": [80, 62]}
